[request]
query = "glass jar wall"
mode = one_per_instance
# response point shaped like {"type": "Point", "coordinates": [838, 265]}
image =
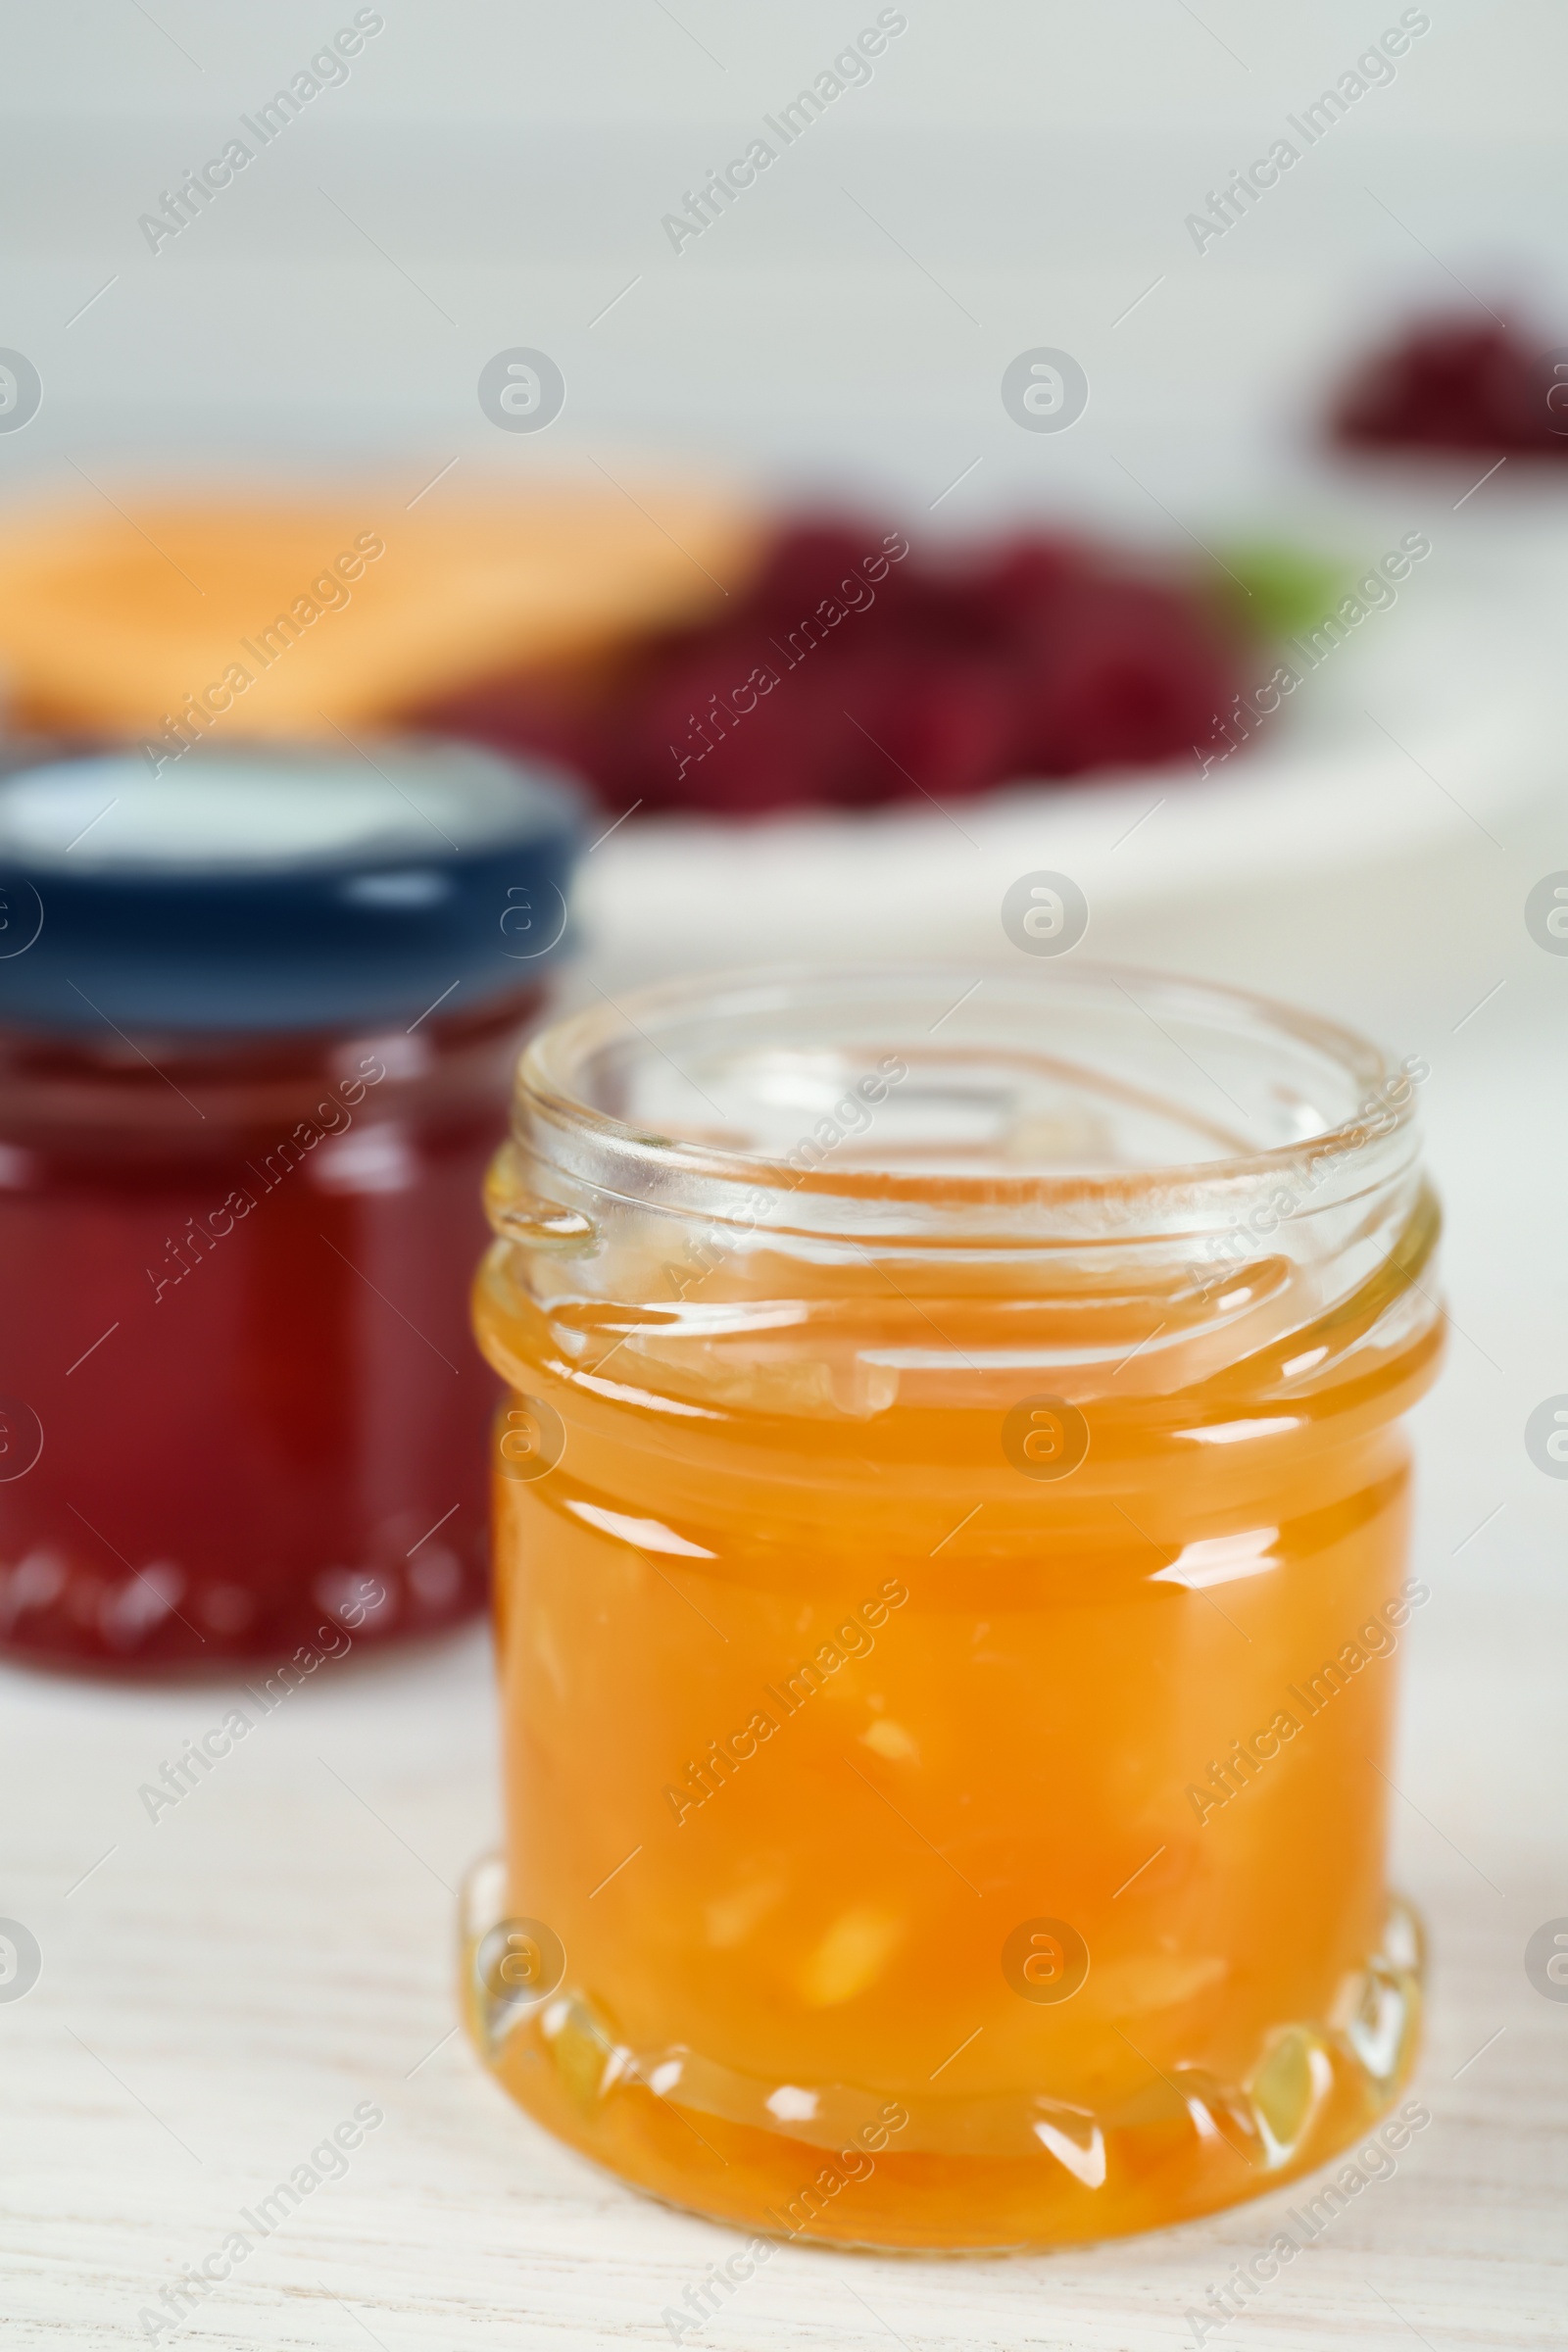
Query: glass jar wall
{"type": "Point", "coordinates": [235, 1337]}
{"type": "Point", "coordinates": [950, 1524]}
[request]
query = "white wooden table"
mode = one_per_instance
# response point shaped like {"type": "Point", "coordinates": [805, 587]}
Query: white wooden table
{"type": "Point", "coordinates": [223, 1987]}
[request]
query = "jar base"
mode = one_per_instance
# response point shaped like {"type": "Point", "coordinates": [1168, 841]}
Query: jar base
{"type": "Point", "coordinates": [988, 2176]}
{"type": "Point", "coordinates": [62, 1614]}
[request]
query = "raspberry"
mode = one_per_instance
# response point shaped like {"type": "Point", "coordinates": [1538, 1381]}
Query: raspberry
{"type": "Point", "coordinates": [1449, 384]}
{"type": "Point", "coordinates": [1041, 656]}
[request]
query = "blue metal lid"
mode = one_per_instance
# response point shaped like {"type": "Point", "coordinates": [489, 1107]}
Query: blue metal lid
{"type": "Point", "coordinates": [279, 888]}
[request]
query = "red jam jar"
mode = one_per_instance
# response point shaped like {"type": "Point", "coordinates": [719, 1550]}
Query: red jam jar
{"type": "Point", "coordinates": [257, 1019]}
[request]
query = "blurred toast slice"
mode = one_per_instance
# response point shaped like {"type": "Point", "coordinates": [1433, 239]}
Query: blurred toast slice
{"type": "Point", "coordinates": [283, 617]}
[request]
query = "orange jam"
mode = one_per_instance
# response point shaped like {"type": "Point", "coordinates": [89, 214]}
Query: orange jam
{"type": "Point", "coordinates": [949, 1540]}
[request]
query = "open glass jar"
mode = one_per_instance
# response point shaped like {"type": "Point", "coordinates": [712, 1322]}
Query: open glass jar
{"type": "Point", "coordinates": [950, 1535]}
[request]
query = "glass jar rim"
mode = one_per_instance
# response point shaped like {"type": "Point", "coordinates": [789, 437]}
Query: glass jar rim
{"type": "Point", "coordinates": [1350, 1108]}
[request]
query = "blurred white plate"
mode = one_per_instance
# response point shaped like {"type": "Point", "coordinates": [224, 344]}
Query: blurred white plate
{"type": "Point", "coordinates": [1435, 719]}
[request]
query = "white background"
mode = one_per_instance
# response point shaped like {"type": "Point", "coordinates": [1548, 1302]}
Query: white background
{"type": "Point", "coordinates": [515, 160]}
{"type": "Point", "coordinates": [224, 1986]}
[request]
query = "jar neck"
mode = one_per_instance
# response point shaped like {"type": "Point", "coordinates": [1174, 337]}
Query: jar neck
{"type": "Point", "coordinates": [703, 1318]}
{"type": "Point", "coordinates": [1114, 1186]}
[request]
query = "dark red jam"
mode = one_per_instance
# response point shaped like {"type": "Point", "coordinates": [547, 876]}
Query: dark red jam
{"type": "Point", "coordinates": [242, 1411]}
